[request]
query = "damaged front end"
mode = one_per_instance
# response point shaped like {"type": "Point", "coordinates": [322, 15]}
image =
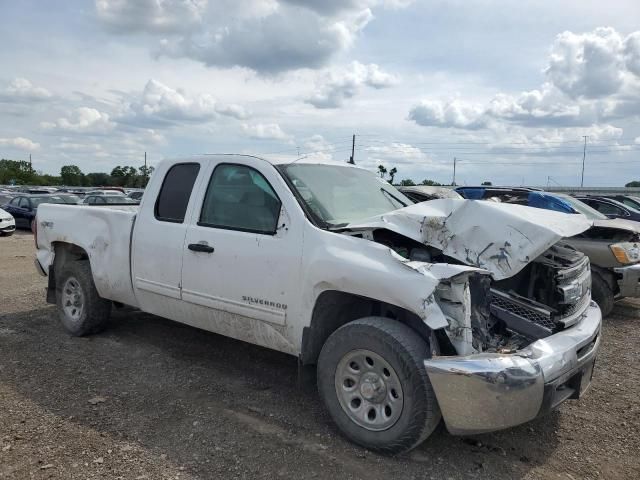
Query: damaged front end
{"type": "Point", "coordinates": [521, 329]}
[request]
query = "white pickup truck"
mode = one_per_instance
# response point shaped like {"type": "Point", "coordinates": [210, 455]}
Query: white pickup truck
{"type": "Point", "coordinates": [457, 309]}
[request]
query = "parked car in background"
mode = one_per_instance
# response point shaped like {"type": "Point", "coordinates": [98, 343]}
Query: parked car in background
{"type": "Point", "coordinates": [7, 223]}
{"type": "Point", "coordinates": [106, 192]}
{"type": "Point", "coordinates": [422, 193]}
{"type": "Point", "coordinates": [109, 200]}
{"type": "Point", "coordinates": [136, 194]}
{"type": "Point", "coordinates": [23, 207]}
{"type": "Point", "coordinates": [611, 208]}
{"type": "Point", "coordinates": [628, 200]}
{"type": "Point", "coordinates": [612, 245]}
{"type": "Point", "coordinates": [6, 198]}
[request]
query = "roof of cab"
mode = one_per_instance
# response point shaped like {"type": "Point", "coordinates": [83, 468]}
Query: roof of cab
{"type": "Point", "coordinates": [274, 161]}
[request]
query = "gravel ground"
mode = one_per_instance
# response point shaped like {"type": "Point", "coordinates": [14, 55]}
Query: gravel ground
{"type": "Point", "coordinates": [152, 399]}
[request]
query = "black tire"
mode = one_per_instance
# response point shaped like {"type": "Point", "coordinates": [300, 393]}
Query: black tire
{"type": "Point", "coordinates": [94, 312]}
{"type": "Point", "coordinates": [405, 351]}
{"type": "Point", "coordinates": [602, 293]}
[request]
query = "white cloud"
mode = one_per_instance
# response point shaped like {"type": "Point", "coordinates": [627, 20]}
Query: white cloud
{"type": "Point", "coordinates": [82, 120]}
{"type": "Point", "coordinates": [396, 153]}
{"type": "Point", "coordinates": [150, 15]}
{"type": "Point", "coordinates": [588, 64]}
{"type": "Point", "coordinates": [160, 104]}
{"type": "Point", "coordinates": [448, 113]}
{"type": "Point", "coordinates": [632, 53]}
{"type": "Point", "coordinates": [233, 110]}
{"type": "Point", "coordinates": [591, 77]}
{"type": "Point", "coordinates": [20, 143]}
{"type": "Point", "coordinates": [266, 131]}
{"type": "Point", "coordinates": [336, 86]}
{"type": "Point", "coordinates": [269, 36]}
{"type": "Point", "coordinates": [22, 90]}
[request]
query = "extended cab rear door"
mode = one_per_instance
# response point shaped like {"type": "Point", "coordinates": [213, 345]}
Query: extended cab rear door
{"type": "Point", "coordinates": [243, 247]}
{"type": "Point", "coordinates": [159, 235]}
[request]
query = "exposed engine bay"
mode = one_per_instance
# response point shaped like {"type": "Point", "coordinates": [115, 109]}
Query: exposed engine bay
{"type": "Point", "coordinates": [546, 296]}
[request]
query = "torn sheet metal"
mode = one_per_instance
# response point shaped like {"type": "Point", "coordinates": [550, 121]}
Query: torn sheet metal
{"type": "Point", "coordinates": [498, 237]}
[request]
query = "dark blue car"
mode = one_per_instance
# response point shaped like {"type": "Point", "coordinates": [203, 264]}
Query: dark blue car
{"type": "Point", "coordinates": [24, 207]}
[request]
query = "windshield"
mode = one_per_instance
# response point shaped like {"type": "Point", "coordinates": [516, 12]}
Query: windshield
{"type": "Point", "coordinates": [35, 201]}
{"type": "Point", "coordinates": [341, 195]}
{"type": "Point", "coordinates": [583, 208]}
{"type": "Point", "coordinates": [74, 199]}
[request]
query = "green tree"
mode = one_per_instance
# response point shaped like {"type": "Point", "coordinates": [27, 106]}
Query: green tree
{"type": "Point", "coordinates": [124, 176]}
{"type": "Point", "coordinates": [407, 182]}
{"type": "Point", "coordinates": [71, 175]}
{"type": "Point", "coordinates": [98, 179]}
{"type": "Point", "coordinates": [430, 183]}
{"type": "Point", "coordinates": [635, 183]}
{"type": "Point", "coordinates": [145, 173]}
{"type": "Point", "coordinates": [18, 172]}
{"type": "Point", "coordinates": [382, 170]}
{"type": "Point", "coordinates": [392, 174]}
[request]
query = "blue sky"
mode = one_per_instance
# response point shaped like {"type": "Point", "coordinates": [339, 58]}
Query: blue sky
{"type": "Point", "coordinates": [508, 88]}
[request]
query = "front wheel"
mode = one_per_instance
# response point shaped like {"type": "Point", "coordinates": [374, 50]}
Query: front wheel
{"type": "Point", "coordinates": [372, 379]}
{"type": "Point", "coordinates": [81, 310]}
{"type": "Point", "coordinates": [602, 293]}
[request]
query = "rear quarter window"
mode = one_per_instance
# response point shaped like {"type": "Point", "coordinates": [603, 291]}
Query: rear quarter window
{"type": "Point", "coordinates": [171, 205]}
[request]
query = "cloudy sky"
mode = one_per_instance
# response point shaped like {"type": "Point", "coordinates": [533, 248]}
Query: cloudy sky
{"type": "Point", "coordinates": [509, 88]}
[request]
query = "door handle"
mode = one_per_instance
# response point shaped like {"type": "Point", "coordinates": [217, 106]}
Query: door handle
{"type": "Point", "coordinates": [200, 247]}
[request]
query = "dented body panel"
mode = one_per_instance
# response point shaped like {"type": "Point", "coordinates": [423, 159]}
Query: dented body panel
{"type": "Point", "coordinates": [265, 288]}
{"type": "Point", "coordinates": [499, 238]}
{"type": "Point", "coordinates": [103, 233]}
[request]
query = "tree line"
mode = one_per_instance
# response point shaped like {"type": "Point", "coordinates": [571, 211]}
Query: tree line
{"type": "Point", "coordinates": [21, 172]}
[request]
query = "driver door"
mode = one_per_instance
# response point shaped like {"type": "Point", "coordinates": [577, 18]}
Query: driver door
{"type": "Point", "coordinates": [242, 251]}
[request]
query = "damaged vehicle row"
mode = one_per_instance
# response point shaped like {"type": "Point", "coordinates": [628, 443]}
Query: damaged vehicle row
{"type": "Point", "coordinates": [472, 312]}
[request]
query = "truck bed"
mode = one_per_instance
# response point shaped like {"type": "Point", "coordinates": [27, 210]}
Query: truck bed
{"type": "Point", "coordinates": [104, 233]}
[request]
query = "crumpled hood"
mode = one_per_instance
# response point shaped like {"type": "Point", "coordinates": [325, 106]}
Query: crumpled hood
{"type": "Point", "coordinates": [498, 237]}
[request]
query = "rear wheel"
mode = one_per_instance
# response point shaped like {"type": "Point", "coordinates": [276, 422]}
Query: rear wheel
{"type": "Point", "coordinates": [372, 378]}
{"type": "Point", "coordinates": [602, 293]}
{"type": "Point", "coordinates": [80, 309]}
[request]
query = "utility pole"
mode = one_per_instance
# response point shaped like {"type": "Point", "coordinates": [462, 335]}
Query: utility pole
{"type": "Point", "coordinates": [353, 150]}
{"type": "Point", "coordinates": [30, 163]}
{"type": "Point", "coordinates": [584, 156]}
{"type": "Point", "coordinates": [453, 183]}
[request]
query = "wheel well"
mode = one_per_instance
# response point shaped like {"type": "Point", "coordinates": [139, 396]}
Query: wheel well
{"type": "Point", "coordinates": [608, 276]}
{"type": "Point", "coordinates": [334, 309]}
{"type": "Point", "coordinates": [64, 252]}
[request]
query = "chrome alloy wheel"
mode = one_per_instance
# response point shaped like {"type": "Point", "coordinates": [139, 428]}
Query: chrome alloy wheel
{"type": "Point", "coordinates": [369, 390]}
{"type": "Point", "coordinates": [72, 299]}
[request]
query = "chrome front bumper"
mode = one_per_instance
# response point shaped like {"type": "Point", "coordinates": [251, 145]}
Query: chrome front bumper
{"type": "Point", "coordinates": [628, 280]}
{"type": "Point", "coordinates": [491, 391]}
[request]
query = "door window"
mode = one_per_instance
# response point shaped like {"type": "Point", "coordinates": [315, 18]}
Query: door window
{"type": "Point", "coordinates": [608, 209]}
{"type": "Point", "coordinates": [240, 198]}
{"type": "Point", "coordinates": [174, 195]}
{"type": "Point", "coordinates": [24, 202]}
{"type": "Point", "coordinates": [14, 202]}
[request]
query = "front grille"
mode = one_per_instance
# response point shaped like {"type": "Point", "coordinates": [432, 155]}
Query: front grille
{"type": "Point", "coordinates": [522, 315]}
{"type": "Point", "coordinates": [498, 300]}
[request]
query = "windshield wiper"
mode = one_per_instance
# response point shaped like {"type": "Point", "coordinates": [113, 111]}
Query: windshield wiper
{"type": "Point", "coordinates": [393, 197]}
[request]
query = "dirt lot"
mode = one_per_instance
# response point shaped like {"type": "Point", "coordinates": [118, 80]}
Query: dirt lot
{"type": "Point", "coordinates": [152, 399]}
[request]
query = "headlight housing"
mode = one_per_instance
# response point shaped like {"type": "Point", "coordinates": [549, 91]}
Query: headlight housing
{"type": "Point", "coordinates": [626, 252]}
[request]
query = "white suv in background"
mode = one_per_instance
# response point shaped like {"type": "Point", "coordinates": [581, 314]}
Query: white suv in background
{"type": "Point", "coordinates": [7, 223]}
